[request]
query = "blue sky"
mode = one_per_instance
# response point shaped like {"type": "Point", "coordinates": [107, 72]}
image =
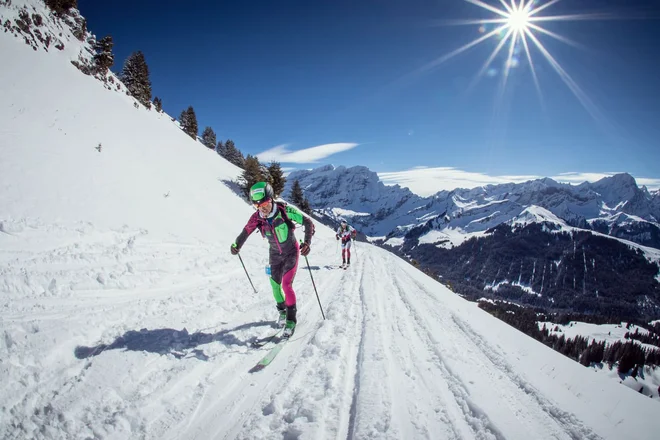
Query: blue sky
{"type": "Point", "coordinates": [282, 77]}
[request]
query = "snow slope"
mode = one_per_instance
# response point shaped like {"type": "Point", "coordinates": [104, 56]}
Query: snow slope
{"type": "Point", "coordinates": [123, 315]}
{"type": "Point", "coordinates": [648, 379]}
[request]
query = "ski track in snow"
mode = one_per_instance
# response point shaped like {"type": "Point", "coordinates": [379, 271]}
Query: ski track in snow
{"type": "Point", "coordinates": [389, 362]}
{"type": "Point", "coordinates": [570, 426]}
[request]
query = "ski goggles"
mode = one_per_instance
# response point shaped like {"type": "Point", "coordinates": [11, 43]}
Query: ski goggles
{"type": "Point", "coordinates": [260, 203]}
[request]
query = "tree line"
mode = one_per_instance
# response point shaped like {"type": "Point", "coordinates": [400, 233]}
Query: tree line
{"type": "Point", "coordinates": [651, 338]}
{"type": "Point", "coordinates": [254, 171]}
{"type": "Point", "coordinates": [627, 355]}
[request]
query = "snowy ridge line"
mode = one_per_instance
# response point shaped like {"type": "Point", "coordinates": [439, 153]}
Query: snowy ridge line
{"type": "Point", "coordinates": [567, 421]}
{"type": "Point", "coordinates": [571, 424]}
{"type": "Point", "coordinates": [481, 426]}
{"type": "Point", "coordinates": [359, 362]}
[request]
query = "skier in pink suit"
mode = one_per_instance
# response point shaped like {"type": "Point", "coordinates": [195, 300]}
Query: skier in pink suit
{"type": "Point", "coordinates": [275, 221]}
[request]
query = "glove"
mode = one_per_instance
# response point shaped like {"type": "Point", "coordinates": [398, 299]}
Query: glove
{"type": "Point", "coordinates": [304, 250]}
{"type": "Point", "coordinates": [337, 235]}
{"type": "Point", "coordinates": [234, 249]}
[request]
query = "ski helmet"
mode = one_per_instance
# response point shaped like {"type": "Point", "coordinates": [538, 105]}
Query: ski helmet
{"type": "Point", "coordinates": [344, 222]}
{"type": "Point", "coordinates": [261, 192]}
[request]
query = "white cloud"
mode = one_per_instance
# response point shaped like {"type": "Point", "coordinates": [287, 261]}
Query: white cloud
{"type": "Point", "coordinates": [577, 178]}
{"type": "Point", "coordinates": [282, 154]}
{"type": "Point", "coordinates": [426, 181]}
{"type": "Point", "coordinates": [651, 184]}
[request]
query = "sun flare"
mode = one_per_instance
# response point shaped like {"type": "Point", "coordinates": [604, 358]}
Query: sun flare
{"type": "Point", "coordinates": [518, 20]}
{"type": "Point", "coordinates": [517, 24]}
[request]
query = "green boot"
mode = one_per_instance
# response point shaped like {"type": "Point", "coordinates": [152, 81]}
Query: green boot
{"type": "Point", "coordinates": [289, 329]}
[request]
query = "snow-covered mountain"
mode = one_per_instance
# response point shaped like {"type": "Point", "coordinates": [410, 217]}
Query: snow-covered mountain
{"type": "Point", "coordinates": [124, 316]}
{"type": "Point", "coordinates": [61, 35]}
{"type": "Point", "coordinates": [610, 217]}
{"type": "Point", "coordinates": [613, 205]}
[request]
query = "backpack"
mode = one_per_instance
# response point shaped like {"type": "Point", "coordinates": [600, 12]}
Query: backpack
{"type": "Point", "coordinates": [281, 206]}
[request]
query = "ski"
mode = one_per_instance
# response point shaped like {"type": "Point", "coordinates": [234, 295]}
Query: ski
{"type": "Point", "coordinates": [265, 340]}
{"type": "Point", "coordinates": [266, 360]}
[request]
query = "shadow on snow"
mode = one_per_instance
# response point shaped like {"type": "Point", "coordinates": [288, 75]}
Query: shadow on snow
{"type": "Point", "coordinates": [167, 340]}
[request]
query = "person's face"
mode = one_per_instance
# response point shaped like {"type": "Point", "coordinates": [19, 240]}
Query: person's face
{"type": "Point", "coordinates": [265, 207]}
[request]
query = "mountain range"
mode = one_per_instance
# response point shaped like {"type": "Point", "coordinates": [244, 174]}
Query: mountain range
{"type": "Point", "coordinates": [588, 248]}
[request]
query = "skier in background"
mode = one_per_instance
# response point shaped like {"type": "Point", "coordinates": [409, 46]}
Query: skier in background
{"type": "Point", "coordinates": [345, 233]}
{"type": "Point", "coordinates": [275, 222]}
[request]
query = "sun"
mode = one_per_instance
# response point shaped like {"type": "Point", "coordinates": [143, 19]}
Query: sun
{"type": "Point", "coordinates": [517, 24]}
{"type": "Point", "coordinates": [518, 20]}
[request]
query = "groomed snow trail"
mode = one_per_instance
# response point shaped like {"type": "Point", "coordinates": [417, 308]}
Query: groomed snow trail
{"type": "Point", "coordinates": [158, 347]}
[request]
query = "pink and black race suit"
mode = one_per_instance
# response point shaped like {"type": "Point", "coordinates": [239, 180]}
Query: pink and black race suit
{"type": "Point", "coordinates": [278, 230]}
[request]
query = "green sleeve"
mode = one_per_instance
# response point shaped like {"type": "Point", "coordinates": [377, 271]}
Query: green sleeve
{"type": "Point", "coordinates": [295, 215]}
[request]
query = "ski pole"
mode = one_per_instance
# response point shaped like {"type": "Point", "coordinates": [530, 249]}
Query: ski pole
{"type": "Point", "coordinates": [246, 272]}
{"type": "Point", "coordinates": [314, 284]}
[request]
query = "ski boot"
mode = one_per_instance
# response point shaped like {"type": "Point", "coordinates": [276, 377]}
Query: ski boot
{"type": "Point", "coordinates": [290, 326]}
{"type": "Point", "coordinates": [281, 319]}
{"type": "Point", "coordinates": [289, 329]}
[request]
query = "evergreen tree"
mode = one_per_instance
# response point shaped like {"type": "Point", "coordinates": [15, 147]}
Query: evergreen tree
{"type": "Point", "coordinates": [158, 104]}
{"type": "Point", "coordinates": [230, 151]}
{"type": "Point", "coordinates": [103, 57]}
{"type": "Point", "coordinates": [208, 138]}
{"type": "Point", "coordinates": [79, 30]}
{"type": "Point", "coordinates": [627, 359]}
{"type": "Point", "coordinates": [635, 371]}
{"type": "Point", "coordinates": [252, 174]}
{"type": "Point", "coordinates": [597, 351]}
{"type": "Point", "coordinates": [585, 358]}
{"type": "Point", "coordinates": [266, 174]}
{"type": "Point", "coordinates": [277, 179]}
{"type": "Point", "coordinates": [221, 150]}
{"type": "Point", "coordinates": [297, 196]}
{"type": "Point", "coordinates": [188, 122]}
{"type": "Point", "coordinates": [234, 155]}
{"type": "Point", "coordinates": [61, 6]}
{"type": "Point", "coordinates": [135, 76]}
{"type": "Point", "coordinates": [305, 207]}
